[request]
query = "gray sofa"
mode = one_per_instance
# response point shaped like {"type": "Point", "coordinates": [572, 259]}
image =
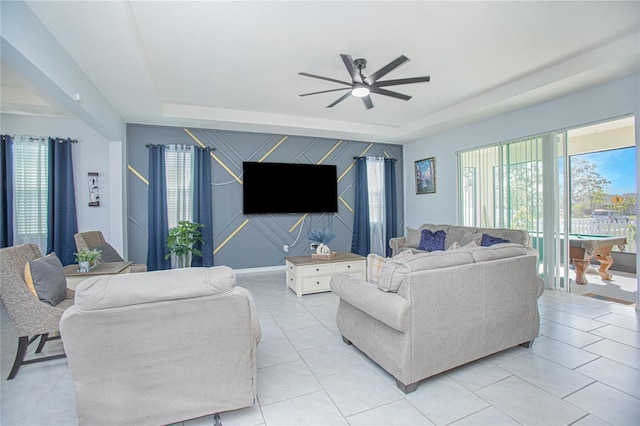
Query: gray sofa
{"type": "Point", "coordinates": [431, 312]}
{"type": "Point", "coordinates": [161, 347]}
{"type": "Point", "coordinates": [461, 234]}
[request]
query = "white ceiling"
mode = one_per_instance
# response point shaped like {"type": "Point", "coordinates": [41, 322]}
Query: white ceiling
{"type": "Point", "coordinates": [235, 64]}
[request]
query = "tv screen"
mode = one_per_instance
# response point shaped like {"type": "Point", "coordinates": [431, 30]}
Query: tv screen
{"type": "Point", "coordinates": [289, 188]}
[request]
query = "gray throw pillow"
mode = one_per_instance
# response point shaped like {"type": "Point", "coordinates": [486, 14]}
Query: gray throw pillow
{"type": "Point", "coordinates": [109, 254]}
{"type": "Point", "coordinates": [47, 276]}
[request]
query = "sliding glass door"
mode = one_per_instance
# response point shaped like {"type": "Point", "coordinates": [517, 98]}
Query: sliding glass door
{"type": "Point", "coordinates": [517, 185]}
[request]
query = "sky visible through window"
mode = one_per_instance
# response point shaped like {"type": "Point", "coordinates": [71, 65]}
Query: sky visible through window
{"type": "Point", "coordinates": [618, 166]}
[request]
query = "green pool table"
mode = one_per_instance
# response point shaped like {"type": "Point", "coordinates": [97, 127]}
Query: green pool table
{"type": "Point", "coordinates": [582, 248]}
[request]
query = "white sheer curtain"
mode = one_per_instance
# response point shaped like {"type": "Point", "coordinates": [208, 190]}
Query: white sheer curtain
{"type": "Point", "coordinates": [30, 187]}
{"type": "Point", "coordinates": [375, 180]}
{"type": "Point", "coordinates": [178, 162]}
{"type": "Point", "coordinates": [179, 172]}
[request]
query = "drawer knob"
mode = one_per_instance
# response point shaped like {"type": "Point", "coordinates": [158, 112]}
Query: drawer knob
{"type": "Point", "coordinates": [317, 270]}
{"type": "Point", "coordinates": [317, 282]}
{"type": "Point", "coordinates": [348, 266]}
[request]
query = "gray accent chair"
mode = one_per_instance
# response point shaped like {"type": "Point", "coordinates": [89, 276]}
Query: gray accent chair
{"type": "Point", "coordinates": [31, 318]}
{"type": "Point", "coordinates": [90, 239]}
{"type": "Point", "coordinates": [161, 347]}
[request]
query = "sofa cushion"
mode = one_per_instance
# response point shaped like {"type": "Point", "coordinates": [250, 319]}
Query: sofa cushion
{"type": "Point", "coordinates": [45, 278]}
{"type": "Point", "coordinates": [432, 241]}
{"type": "Point", "coordinates": [112, 291]}
{"type": "Point", "coordinates": [488, 240]}
{"type": "Point", "coordinates": [471, 237]}
{"type": "Point", "coordinates": [394, 271]}
{"type": "Point", "coordinates": [498, 251]}
{"type": "Point", "coordinates": [413, 238]}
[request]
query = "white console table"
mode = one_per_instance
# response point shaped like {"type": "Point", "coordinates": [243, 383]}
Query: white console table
{"type": "Point", "coordinates": [307, 275]}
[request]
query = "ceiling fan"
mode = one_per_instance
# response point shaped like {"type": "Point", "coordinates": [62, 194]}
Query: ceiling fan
{"type": "Point", "coordinates": [362, 86]}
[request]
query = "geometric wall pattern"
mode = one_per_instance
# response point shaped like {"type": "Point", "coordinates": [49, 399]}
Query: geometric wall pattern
{"type": "Point", "coordinates": [248, 241]}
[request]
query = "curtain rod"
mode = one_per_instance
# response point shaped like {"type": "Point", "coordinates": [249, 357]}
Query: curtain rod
{"type": "Point", "coordinates": [31, 139]}
{"type": "Point", "coordinates": [386, 158]}
{"type": "Point", "coordinates": [209, 148]}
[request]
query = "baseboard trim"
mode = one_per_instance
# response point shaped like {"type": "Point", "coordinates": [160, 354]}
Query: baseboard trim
{"type": "Point", "coordinates": [260, 269]}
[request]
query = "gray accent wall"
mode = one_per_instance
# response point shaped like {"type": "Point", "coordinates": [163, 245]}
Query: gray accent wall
{"type": "Point", "coordinates": [254, 241]}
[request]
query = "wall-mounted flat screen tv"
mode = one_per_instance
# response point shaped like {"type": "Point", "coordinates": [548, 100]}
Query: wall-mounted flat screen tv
{"type": "Point", "coordinates": [289, 188]}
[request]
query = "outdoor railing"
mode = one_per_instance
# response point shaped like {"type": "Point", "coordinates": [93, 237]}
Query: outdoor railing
{"type": "Point", "coordinates": [606, 227]}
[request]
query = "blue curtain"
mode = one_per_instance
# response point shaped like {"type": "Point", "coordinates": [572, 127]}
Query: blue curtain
{"type": "Point", "coordinates": [6, 182]}
{"type": "Point", "coordinates": [391, 216]}
{"type": "Point", "coordinates": [158, 223]}
{"type": "Point", "coordinates": [62, 222]}
{"type": "Point", "coordinates": [202, 210]}
{"type": "Point", "coordinates": [360, 241]}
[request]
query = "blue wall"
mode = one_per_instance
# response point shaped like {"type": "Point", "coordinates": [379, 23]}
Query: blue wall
{"type": "Point", "coordinates": [256, 240]}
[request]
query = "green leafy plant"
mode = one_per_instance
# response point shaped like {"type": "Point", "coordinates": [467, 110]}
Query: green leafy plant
{"type": "Point", "coordinates": [87, 255]}
{"type": "Point", "coordinates": [181, 240]}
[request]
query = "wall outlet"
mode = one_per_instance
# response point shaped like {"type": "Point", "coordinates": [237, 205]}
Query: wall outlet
{"type": "Point", "coordinates": [285, 248]}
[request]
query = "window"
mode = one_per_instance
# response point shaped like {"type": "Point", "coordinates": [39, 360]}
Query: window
{"type": "Point", "coordinates": [30, 189]}
{"type": "Point", "coordinates": [179, 173]}
{"type": "Point", "coordinates": [509, 189]}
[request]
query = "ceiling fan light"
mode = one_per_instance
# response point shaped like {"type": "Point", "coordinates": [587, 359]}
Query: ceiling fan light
{"type": "Point", "coordinates": [360, 91]}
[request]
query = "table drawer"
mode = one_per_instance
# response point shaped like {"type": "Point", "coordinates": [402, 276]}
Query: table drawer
{"type": "Point", "coordinates": [309, 271]}
{"type": "Point", "coordinates": [349, 267]}
{"type": "Point", "coordinates": [316, 284]}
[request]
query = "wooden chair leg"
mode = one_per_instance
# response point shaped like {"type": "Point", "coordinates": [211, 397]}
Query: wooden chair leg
{"type": "Point", "coordinates": [23, 343]}
{"type": "Point", "coordinates": [43, 340]}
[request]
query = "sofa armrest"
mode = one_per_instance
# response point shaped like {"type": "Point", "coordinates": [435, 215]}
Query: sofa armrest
{"type": "Point", "coordinates": [389, 308]}
{"type": "Point", "coordinates": [397, 244]}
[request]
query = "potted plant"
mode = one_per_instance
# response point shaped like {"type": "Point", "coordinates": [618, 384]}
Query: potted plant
{"type": "Point", "coordinates": [181, 240]}
{"type": "Point", "coordinates": [322, 238]}
{"type": "Point", "coordinates": [87, 259]}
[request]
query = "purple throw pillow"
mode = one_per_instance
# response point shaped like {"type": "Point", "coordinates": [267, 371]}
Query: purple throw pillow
{"type": "Point", "coordinates": [488, 240]}
{"type": "Point", "coordinates": [432, 241]}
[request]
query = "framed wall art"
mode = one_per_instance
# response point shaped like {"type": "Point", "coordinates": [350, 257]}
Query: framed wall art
{"type": "Point", "coordinates": [425, 176]}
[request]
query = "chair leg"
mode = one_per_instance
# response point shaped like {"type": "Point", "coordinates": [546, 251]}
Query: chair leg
{"type": "Point", "coordinates": [23, 343]}
{"type": "Point", "coordinates": [43, 340]}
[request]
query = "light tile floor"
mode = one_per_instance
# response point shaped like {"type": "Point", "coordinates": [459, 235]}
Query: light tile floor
{"type": "Point", "coordinates": [584, 369]}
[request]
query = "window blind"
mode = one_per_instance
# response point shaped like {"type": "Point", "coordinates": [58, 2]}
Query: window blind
{"type": "Point", "coordinates": [30, 186]}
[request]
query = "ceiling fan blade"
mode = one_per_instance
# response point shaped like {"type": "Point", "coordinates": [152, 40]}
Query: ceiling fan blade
{"type": "Point", "coordinates": [340, 99]}
{"type": "Point", "coordinates": [386, 69]}
{"type": "Point", "coordinates": [353, 72]}
{"type": "Point", "coordinates": [366, 100]}
{"type": "Point", "coordinates": [389, 93]}
{"type": "Point", "coordinates": [324, 78]}
{"type": "Point", "coordinates": [325, 91]}
{"type": "Point", "coordinates": [402, 81]}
